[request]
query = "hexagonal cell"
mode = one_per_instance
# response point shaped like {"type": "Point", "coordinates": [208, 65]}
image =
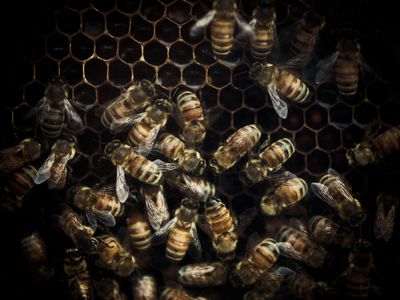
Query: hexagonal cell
{"type": "Point", "coordinates": [93, 120]}
{"type": "Point", "coordinates": [68, 21]}
{"type": "Point", "coordinates": [81, 46]}
{"type": "Point", "coordinates": [84, 96]}
{"type": "Point", "coordinates": [169, 75]}
{"type": "Point", "coordinates": [34, 92]}
{"type": "Point", "coordinates": [209, 96]}
{"type": "Point", "coordinates": [222, 123]}
{"type": "Point", "coordinates": [390, 112]}
{"type": "Point", "coordinates": [327, 94]}
{"type": "Point", "coordinates": [88, 142]}
{"type": "Point", "coordinates": [352, 135]}
{"type": "Point", "coordinates": [240, 77]}
{"type": "Point", "coordinates": [71, 70]}
{"type": "Point", "coordinates": [141, 30]}
{"type": "Point", "coordinates": [230, 98]}
{"type": "Point", "coordinates": [18, 118]}
{"type": "Point", "coordinates": [152, 10]}
{"type": "Point", "coordinates": [339, 161]}
{"type": "Point", "coordinates": [119, 72]}
{"type": "Point", "coordinates": [45, 69]}
{"type": "Point", "coordinates": [103, 5]}
{"type": "Point", "coordinates": [117, 24]}
{"type": "Point", "coordinates": [318, 162]}
{"type": "Point", "coordinates": [316, 117]}
{"type": "Point", "coordinates": [204, 54]}
{"type": "Point", "coordinates": [296, 163]}
{"type": "Point", "coordinates": [365, 113]}
{"type": "Point", "coordinates": [102, 166]}
{"type": "Point", "coordinates": [179, 11]}
{"type": "Point", "coordinates": [354, 100]}
{"type": "Point", "coordinates": [305, 140]}
{"type": "Point", "coordinates": [243, 117]}
{"type": "Point", "coordinates": [34, 48]}
{"type": "Point", "coordinates": [78, 4]}
{"type": "Point", "coordinates": [141, 71]}
{"type": "Point", "coordinates": [58, 45]}
{"type": "Point", "coordinates": [187, 36]}
{"type": "Point", "coordinates": [341, 115]}
{"type": "Point", "coordinates": [128, 6]}
{"type": "Point", "coordinates": [280, 134]}
{"type": "Point", "coordinates": [106, 47]}
{"type": "Point", "coordinates": [95, 71]}
{"type": "Point", "coordinates": [107, 92]}
{"type": "Point", "coordinates": [194, 76]}
{"type": "Point", "coordinates": [230, 183]}
{"type": "Point", "coordinates": [22, 71]}
{"type": "Point", "coordinates": [93, 23]}
{"type": "Point", "coordinates": [80, 167]}
{"type": "Point", "coordinates": [295, 119]}
{"type": "Point", "coordinates": [129, 50]}
{"type": "Point", "coordinates": [218, 75]}
{"type": "Point", "coordinates": [181, 53]}
{"type": "Point", "coordinates": [267, 119]}
{"type": "Point", "coordinates": [201, 8]}
{"type": "Point", "coordinates": [377, 92]}
{"type": "Point", "coordinates": [155, 53]}
{"type": "Point", "coordinates": [254, 97]}
{"type": "Point", "coordinates": [167, 31]}
{"type": "Point", "coordinates": [15, 94]}
{"type": "Point", "coordinates": [329, 138]}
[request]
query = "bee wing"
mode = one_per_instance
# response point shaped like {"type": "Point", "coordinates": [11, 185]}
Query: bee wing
{"type": "Point", "coordinates": [121, 185]}
{"type": "Point", "coordinates": [44, 171]}
{"type": "Point", "coordinates": [389, 223]}
{"type": "Point", "coordinates": [107, 189]}
{"type": "Point", "coordinates": [201, 23]}
{"type": "Point", "coordinates": [284, 273]}
{"type": "Point", "coordinates": [123, 124]}
{"type": "Point", "coordinates": [287, 250]}
{"type": "Point", "coordinates": [204, 225]}
{"type": "Point", "coordinates": [383, 226]}
{"type": "Point", "coordinates": [104, 217]}
{"type": "Point", "coordinates": [297, 224]}
{"type": "Point", "coordinates": [325, 68]}
{"type": "Point", "coordinates": [38, 110]}
{"type": "Point", "coordinates": [156, 212]}
{"type": "Point", "coordinates": [92, 220]}
{"type": "Point", "coordinates": [342, 184]}
{"type": "Point", "coordinates": [198, 271]}
{"type": "Point", "coordinates": [323, 193]}
{"type": "Point", "coordinates": [161, 234]}
{"type": "Point", "coordinates": [164, 166]}
{"type": "Point", "coordinates": [145, 146]}
{"type": "Point", "coordinates": [279, 105]}
{"type": "Point", "coordinates": [195, 247]}
{"type": "Point", "coordinates": [246, 28]}
{"type": "Point", "coordinates": [265, 144]}
{"type": "Point", "coordinates": [192, 188]}
{"type": "Point", "coordinates": [73, 118]}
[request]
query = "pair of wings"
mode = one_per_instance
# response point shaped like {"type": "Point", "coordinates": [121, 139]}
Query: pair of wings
{"type": "Point", "coordinates": [384, 223]}
{"type": "Point", "coordinates": [279, 105]}
{"type": "Point", "coordinates": [156, 208]}
{"type": "Point", "coordinates": [44, 172]}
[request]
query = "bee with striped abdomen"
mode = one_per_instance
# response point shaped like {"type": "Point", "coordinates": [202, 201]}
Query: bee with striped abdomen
{"type": "Point", "coordinates": [203, 274]}
{"type": "Point", "coordinates": [302, 286]}
{"type": "Point", "coordinates": [177, 293]}
{"type": "Point", "coordinates": [138, 228]}
{"type": "Point", "coordinates": [279, 84]}
{"type": "Point", "coordinates": [144, 287]}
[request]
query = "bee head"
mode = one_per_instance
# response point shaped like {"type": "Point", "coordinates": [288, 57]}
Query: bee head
{"type": "Point", "coordinates": [360, 155]}
{"type": "Point", "coordinates": [348, 42]}
{"type": "Point", "coordinates": [192, 162]}
{"type": "Point", "coordinates": [125, 264]}
{"type": "Point", "coordinates": [224, 5]}
{"type": "Point", "coordinates": [81, 196]}
{"type": "Point", "coordinates": [266, 10]}
{"type": "Point", "coordinates": [56, 89]}
{"type": "Point", "coordinates": [258, 70]}
{"type": "Point", "coordinates": [148, 88]}
{"type": "Point", "coordinates": [253, 172]}
{"type": "Point", "coordinates": [190, 203]}
{"type": "Point", "coordinates": [164, 105]}
{"type": "Point", "coordinates": [111, 147]}
{"type": "Point", "coordinates": [313, 19]}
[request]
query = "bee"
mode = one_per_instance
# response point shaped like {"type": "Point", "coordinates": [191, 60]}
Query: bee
{"type": "Point", "coordinates": [302, 286]}
{"type": "Point", "coordinates": [77, 274]}
{"type": "Point", "coordinates": [222, 18]}
{"type": "Point", "coordinates": [130, 102]}
{"type": "Point", "coordinates": [177, 293]}
{"type": "Point", "coordinates": [54, 169]}
{"type": "Point", "coordinates": [191, 118]}
{"type": "Point", "coordinates": [144, 288]}
{"type": "Point", "coordinates": [109, 289]}
{"type": "Point", "coordinates": [156, 205]}
{"type": "Point", "coordinates": [188, 160]}
{"type": "Point", "coordinates": [302, 248]}
{"type": "Point", "coordinates": [34, 251]}
{"type": "Point", "coordinates": [384, 222]}
{"type": "Point", "coordinates": [17, 187]}
{"type": "Point", "coordinates": [234, 148]}
{"type": "Point", "coordinates": [13, 158]}
{"type": "Point", "coordinates": [203, 274]}
{"type": "Point", "coordinates": [270, 159]}
{"type": "Point", "coordinates": [264, 30]}
{"type": "Point", "coordinates": [139, 230]}
{"type": "Point", "coordinates": [327, 232]}
{"type": "Point", "coordinates": [181, 232]}
{"type": "Point", "coordinates": [334, 191]}
{"type": "Point", "coordinates": [52, 109]}
{"type": "Point", "coordinates": [287, 190]}
{"type": "Point", "coordinates": [114, 257]}
{"type": "Point", "coordinates": [279, 84]}
{"type": "Point", "coordinates": [371, 148]}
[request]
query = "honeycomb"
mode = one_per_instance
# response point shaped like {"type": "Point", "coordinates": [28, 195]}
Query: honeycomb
{"type": "Point", "coordinates": [101, 46]}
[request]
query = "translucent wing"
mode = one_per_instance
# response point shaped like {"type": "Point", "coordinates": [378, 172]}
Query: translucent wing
{"type": "Point", "coordinates": [123, 124]}
{"type": "Point", "coordinates": [44, 171]}
{"type": "Point", "coordinates": [201, 23]}
{"type": "Point", "coordinates": [73, 119]}
{"type": "Point", "coordinates": [389, 223]}
{"type": "Point", "coordinates": [246, 28]}
{"type": "Point", "coordinates": [341, 183]}
{"type": "Point", "coordinates": [157, 209]}
{"type": "Point", "coordinates": [92, 220]}
{"type": "Point", "coordinates": [107, 189]}
{"type": "Point", "coordinates": [286, 249]}
{"type": "Point", "coordinates": [284, 272]}
{"type": "Point", "coordinates": [39, 110]}
{"type": "Point", "coordinates": [383, 226]}
{"type": "Point", "coordinates": [161, 234]}
{"type": "Point", "coordinates": [297, 224]}
{"type": "Point", "coordinates": [147, 144]}
{"type": "Point", "coordinates": [200, 270]}
{"type": "Point", "coordinates": [323, 193]}
{"type": "Point", "coordinates": [325, 69]}
{"type": "Point", "coordinates": [192, 188]}
{"type": "Point", "coordinates": [164, 166]}
{"type": "Point", "coordinates": [279, 105]}
{"type": "Point", "coordinates": [121, 185]}
{"type": "Point", "coordinates": [195, 246]}
{"type": "Point", "coordinates": [104, 217]}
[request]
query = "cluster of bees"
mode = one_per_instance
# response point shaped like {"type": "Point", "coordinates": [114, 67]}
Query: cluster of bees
{"type": "Point", "coordinates": [143, 113]}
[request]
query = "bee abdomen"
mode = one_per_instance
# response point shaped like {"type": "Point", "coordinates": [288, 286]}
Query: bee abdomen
{"type": "Point", "coordinates": [190, 106]}
{"type": "Point", "coordinates": [292, 87]}
{"type": "Point", "coordinates": [221, 220]}
{"type": "Point", "coordinates": [22, 181]}
{"type": "Point", "coordinates": [140, 235]}
{"type": "Point", "coordinates": [265, 255]}
{"type": "Point", "coordinates": [138, 133]}
{"type": "Point", "coordinates": [347, 77]}
{"type": "Point", "coordinates": [171, 147]}
{"type": "Point", "coordinates": [109, 203]}
{"type": "Point", "coordinates": [388, 142]}
{"type": "Point", "coordinates": [144, 170]}
{"type": "Point", "coordinates": [276, 154]}
{"type": "Point", "coordinates": [262, 42]}
{"type": "Point", "coordinates": [178, 243]}
{"type": "Point", "coordinates": [58, 179]}
{"type": "Point", "coordinates": [53, 123]}
{"type": "Point", "coordinates": [222, 35]}
{"type": "Point", "coordinates": [303, 42]}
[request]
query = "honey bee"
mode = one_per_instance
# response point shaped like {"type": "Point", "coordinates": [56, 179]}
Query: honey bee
{"type": "Point", "coordinates": [373, 148]}
{"type": "Point", "coordinates": [156, 205]}
{"type": "Point", "coordinates": [302, 286]}
{"type": "Point", "coordinates": [264, 30]}
{"type": "Point", "coordinates": [327, 232]}
{"type": "Point", "coordinates": [191, 118]}
{"type": "Point", "coordinates": [114, 257]}
{"type": "Point", "coordinates": [17, 187]}
{"type": "Point", "coordinates": [13, 158]}
{"type": "Point", "coordinates": [334, 191]}
{"type": "Point", "coordinates": [270, 159]}
{"type": "Point", "coordinates": [189, 160]}
{"type": "Point", "coordinates": [139, 230]}
{"type": "Point", "coordinates": [77, 274]}
{"type": "Point", "coordinates": [203, 274]}
{"type": "Point", "coordinates": [181, 232]}
{"type": "Point", "coordinates": [384, 222]}
{"type": "Point", "coordinates": [279, 84]}
{"type": "Point", "coordinates": [33, 250]}
{"type": "Point", "coordinates": [132, 101]}
{"type": "Point", "coordinates": [98, 204]}
{"type": "Point", "coordinates": [177, 293]}
{"type": "Point", "coordinates": [222, 18]}
{"type": "Point", "coordinates": [286, 191]}
{"type": "Point", "coordinates": [144, 288]}
{"type": "Point", "coordinates": [234, 148]}
{"type": "Point", "coordinates": [54, 169]}
{"type": "Point", "coordinates": [52, 109]}
{"type": "Point", "coordinates": [109, 289]}
{"type": "Point", "coordinates": [302, 248]}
